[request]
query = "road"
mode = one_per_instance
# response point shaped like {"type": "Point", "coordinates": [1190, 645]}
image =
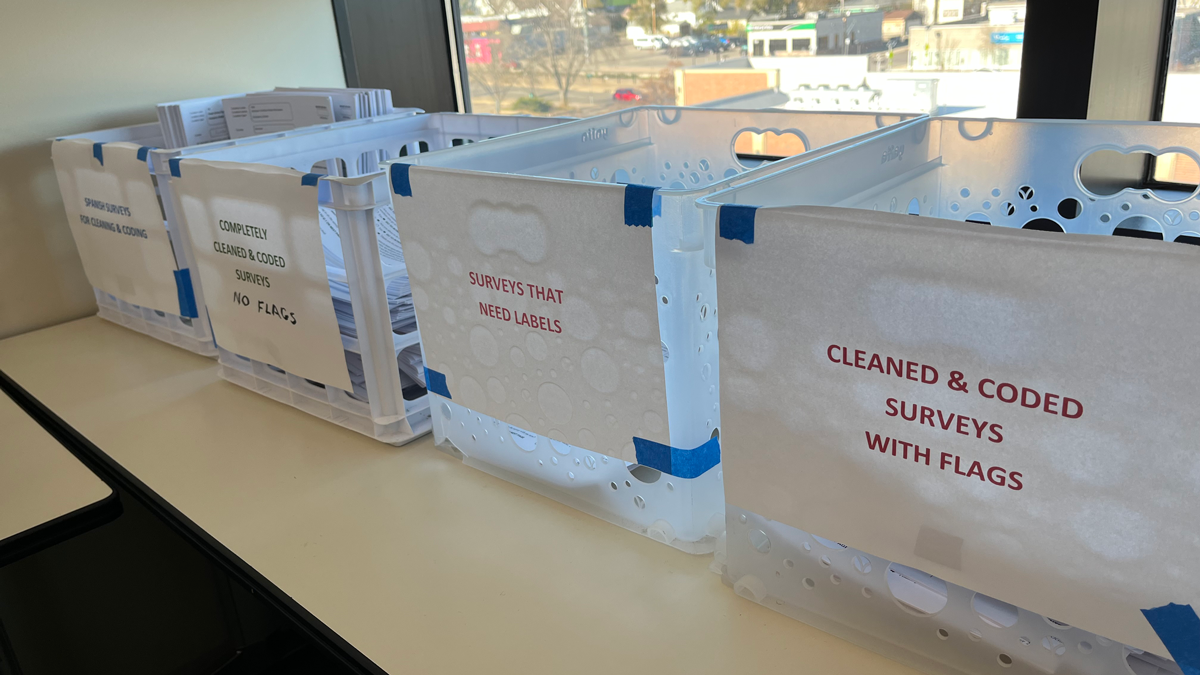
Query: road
{"type": "Point", "coordinates": [591, 93]}
{"type": "Point", "coordinates": [622, 67]}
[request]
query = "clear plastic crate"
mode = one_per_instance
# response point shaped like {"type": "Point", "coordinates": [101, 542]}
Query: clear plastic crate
{"type": "Point", "coordinates": [168, 321]}
{"type": "Point", "coordinates": [622, 413]}
{"type": "Point", "coordinates": [905, 614]}
{"type": "Point", "coordinates": [1053, 176]}
{"type": "Point", "coordinates": [389, 406]}
{"type": "Point", "coordinates": [184, 322]}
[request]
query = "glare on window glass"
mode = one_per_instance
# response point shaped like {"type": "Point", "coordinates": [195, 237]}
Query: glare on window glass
{"type": "Point", "coordinates": [585, 57]}
{"type": "Point", "coordinates": [1181, 102]}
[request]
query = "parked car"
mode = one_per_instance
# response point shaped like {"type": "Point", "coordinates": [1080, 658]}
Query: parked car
{"type": "Point", "coordinates": [626, 95]}
{"type": "Point", "coordinates": [652, 42]}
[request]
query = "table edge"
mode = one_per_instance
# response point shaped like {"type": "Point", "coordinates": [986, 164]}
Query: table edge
{"type": "Point", "coordinates": [116, 476]}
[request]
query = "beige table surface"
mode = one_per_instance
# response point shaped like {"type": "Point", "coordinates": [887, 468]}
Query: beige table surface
{"type": "Point", "coordinates": [420, 562]}
{"type": "Point", "coordinates": [40, 480]}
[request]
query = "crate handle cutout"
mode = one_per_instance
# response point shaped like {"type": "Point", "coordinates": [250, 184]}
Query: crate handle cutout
{"type": "Point", "coordinates": [1179, 629]}
{"type": "Point", "coordinates": [1095, 171]}
{"type": "Point", "coordinates": [962, 130]}
{"type": "Point", "coordinates": [662, 115]}
{"type": "Point", "coordinates": [753, 143]}
{"type": "Point", "coordinates": [677, 461]}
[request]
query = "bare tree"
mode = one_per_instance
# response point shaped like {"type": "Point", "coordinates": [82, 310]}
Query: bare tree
{"type": "Point", "coordinates": [558, 46]}
{"type": "Point", "coordinates": [497, 77]}
{"type": "Point", "coordinates": [554, 40]}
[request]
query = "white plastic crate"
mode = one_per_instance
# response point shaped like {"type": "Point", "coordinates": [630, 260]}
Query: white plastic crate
{"type": "Point", "coordinates": [545, 326]}
{"type": "Point", "coordinates": [149, 288]}
{"type": "Point", "coordinates": [905, 614]}
{"type": "Point", "coordinates": [276, 179]}
{"type": "Point", "coordinates": [153, 295]}
{"type": "Point", "coordinates": [1093, 538]}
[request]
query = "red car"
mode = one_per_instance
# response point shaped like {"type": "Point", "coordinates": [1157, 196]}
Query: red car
{"type": "Point", "coordinates": [626, 95]}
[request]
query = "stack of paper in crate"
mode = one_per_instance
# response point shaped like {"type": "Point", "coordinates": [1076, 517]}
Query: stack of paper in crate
{"type": "Point", "coordinates": [218, 118]}
{"type": "Point", "coordinates": [399, 294]}
{"type": "Point", "coordinates": [192, 122]}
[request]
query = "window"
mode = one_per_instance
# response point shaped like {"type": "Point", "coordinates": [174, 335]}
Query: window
{"type": "Point", "coordinates": [1181, 98]}
{"type": "Point", "coordinates": [578, 58]}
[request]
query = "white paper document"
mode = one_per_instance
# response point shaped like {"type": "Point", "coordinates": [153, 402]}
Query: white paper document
{"type": "Point", "coordinates": [257, 241]}
{"type": "Point", "coordinates": [117, 222]}
{"type": "Point", "coordinates": [267, 113]}
{"type": "Point", "coordinates": [193, 122]}
{"type": "Point", "coordinates": [1011, 411]}
{"type": "Point", "coordinates": [542, 318]}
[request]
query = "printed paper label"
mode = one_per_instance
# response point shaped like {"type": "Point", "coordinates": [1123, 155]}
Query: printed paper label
{"type": "Point", "coordinates": [258, 248]}
{"type": "Point", "coordinates": [1010, 411]}
{"type": "Point", "coordinates": [117, 222]}
{"type": "Point", "coordinates": [537, 303]}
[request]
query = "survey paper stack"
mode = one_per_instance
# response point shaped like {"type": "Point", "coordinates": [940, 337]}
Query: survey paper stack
{"type": "Point", "coordinates": [219, 118]}
{"type": "Point", "coordinates": [399, 295]}
{"type": "Point", "coordinates": [193, 122]}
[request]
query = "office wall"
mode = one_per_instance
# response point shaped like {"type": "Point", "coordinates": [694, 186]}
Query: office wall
{"type": "Point", "coordinates": [69, 66]}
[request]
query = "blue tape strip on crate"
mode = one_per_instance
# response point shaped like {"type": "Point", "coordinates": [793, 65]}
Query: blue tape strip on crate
{"type": "Point", "coordinates": [639, 205]}
{"type": "Point", "coordinates": [98, 152]}
{"type": "Point", "coordinates": [187, 297]}
{"type": "Point", "coordinates": [676, 461]}
{"type": "Point", "coordinates": [435, 382]}
{"type": "Point", "coordinates": [173, 163]}
{"type": "Point", "coordinates": [737, 222]}
{"type": "Point", "coordinates": [400, 182]}
{"type": "Point", "coordinates": [310, 179]}
{"type": "Point", "coordinates": [144, 152]}
{"type": "Point", "coordinates": [1179, 629]}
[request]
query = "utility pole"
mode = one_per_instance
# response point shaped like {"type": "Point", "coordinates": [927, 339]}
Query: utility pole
{"type": "Point", "coordinates": [845, 34]}
{"type": "Point", "coordinates": [587, 55]}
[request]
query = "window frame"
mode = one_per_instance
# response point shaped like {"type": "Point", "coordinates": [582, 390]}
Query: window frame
{"type": "Point", "coordinates": [1056, 68]}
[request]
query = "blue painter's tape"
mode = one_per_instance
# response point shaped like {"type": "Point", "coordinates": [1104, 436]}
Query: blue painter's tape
{"type": "Point", "coordinates": [737, 222]}
{"type": "Point", "coordinates": [98, 152]}
{"type": "Point", "coordinates": [1179, 629]}
{"type": "Point", "coordinates": [400, 182]}
{"type": "Point", "coordinates": [310, 179]}
{"type": "Point", "coordinates": [187, 297]}
{"type": "Point", "coordinates": [677, 462]}
{"type": "Point", "coordinates": [639, 205]}
{"type": "Point", "coordinates": [144, 152]}
{"type": "Point", "coordinates": [173, 163]}
{"type": "Point", "coordinates": [435, 382]}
